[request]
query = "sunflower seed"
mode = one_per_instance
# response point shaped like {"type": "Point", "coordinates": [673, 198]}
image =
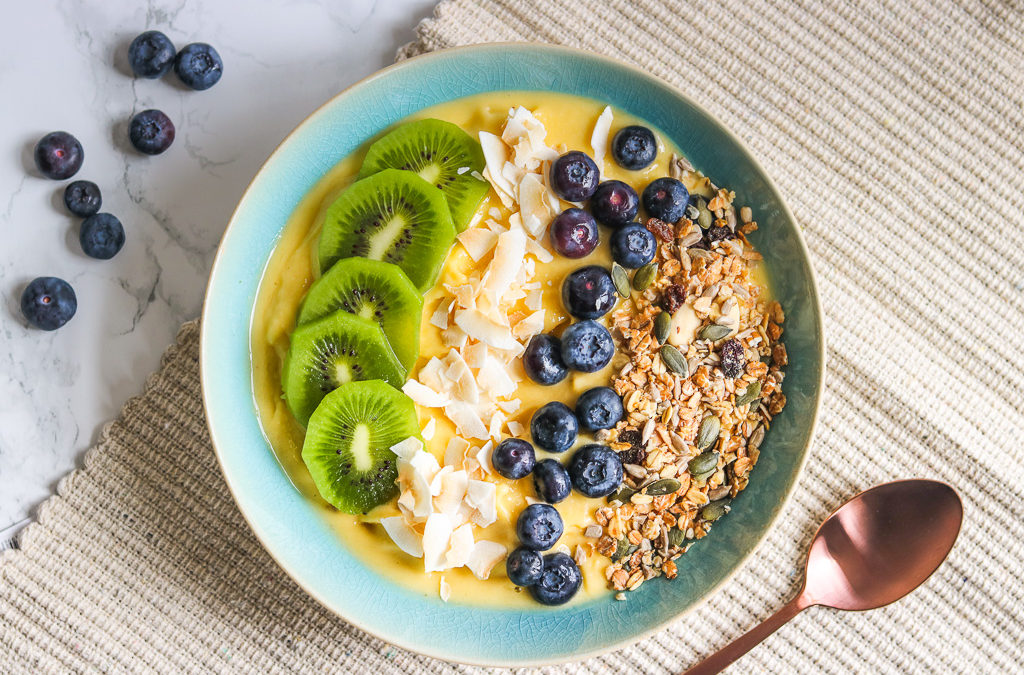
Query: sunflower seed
{"type": "Point", "coordinates": [674, 361]}
{"type": "Point", "coordinates": [665, 486]}
{"type": "Point", "coordinates": [662, 324]}
{"type": "Point", "coordinates": [691, 239]}
{"type": "Point", "coordinates": [756, 438]}
{"type": "Point", "coordinates": [703, 464]}
{"type": "Point", "coordinates": [752, 393]}
{"type": "Point", "coordinates": [644, 276]}
{"type": "Point", "coordinates": [620, 279]}
{"type": "Point", "coordinates": [713, 332]}
{"type": "Point", "coordinates": [708, 433]}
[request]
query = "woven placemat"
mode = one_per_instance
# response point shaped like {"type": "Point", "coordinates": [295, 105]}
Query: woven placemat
{"type": "Point", "coordinates": [895, 132]}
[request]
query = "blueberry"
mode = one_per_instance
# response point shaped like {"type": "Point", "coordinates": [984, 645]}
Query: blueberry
{"type": "Point", "coordinates": [524, 566]}
{"type": "Point", "coordinates": [595, 470]}
{"type": "Point", "coordinates": [542, 360]}
{"type": "Point", "coordinates": [102, 236]}
{"type": "Point", "coordinates": [539, 526]}
{"type": "Point", "coordinates": [587, 346]}
{"type": "Point", "coordinates": [198, 65]}
{"type": "Point", "coordinates": [513, 458]}
{"type": "Point", "coordinates": [551, 481]}
{"type": "Point", "coordinates": [574, 233]}
{"type": "Point", "coordinates": [634, 147]}
{"type": "Point", "coordinates": [83, 198]}
{"type": "Point", "coordinates": [151, 132]}
{"type": "Point", "coordinates": [59, 155]}
{"type": "Point", "coordinates": [599, 408]}
{"type": "Point", "coordinates": [574, 176]}
{"type": "Point", "coordinates": [731, 358]}
{"type": "Point", "coordinates": [559, 581]}
{"type": "Point", "coordinates": [151, 55]}
{"type": "Point", "coordinates": [554, 427]}
{"type": "Point", "coordinates": [633, 246]}
{"type": "Point", "coordinates": [589, 292]}
{"type": "Point", "coordinates": [666, 199]}
{"type": "Point", "coordinates": [614, 203]}
{"type": "Point", "coordinates": [48, 303]}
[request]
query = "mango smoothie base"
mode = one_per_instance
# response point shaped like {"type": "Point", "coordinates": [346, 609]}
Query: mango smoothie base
{"type": "Point", "coordinates": [569, 121]}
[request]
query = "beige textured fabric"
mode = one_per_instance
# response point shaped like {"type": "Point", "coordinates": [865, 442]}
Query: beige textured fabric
{"type": "Point", "coordinates": [896, 133]}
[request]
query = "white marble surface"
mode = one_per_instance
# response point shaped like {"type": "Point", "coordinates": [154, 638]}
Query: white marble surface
{"type": "Point", "coordinates": [65, 67]}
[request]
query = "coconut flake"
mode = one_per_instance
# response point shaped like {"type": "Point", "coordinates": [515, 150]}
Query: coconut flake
{"type": "Point", "coordinates": [510, 406]}
{"type": "Point", "coordinates": [493, 377]}
{"type": "Point", "coordinates": [535, 299]}
{"type": "Point", "coordinates": [404, 536]}
{"type": "Point", "coordinates": [408, 448]}
{"type": "Point", "coordinates": [445, 591]}
{"type": "Point", "coordinates": [483, 456]}
{"type": "Point", "coordinates": [515, 428]}
{"type": "Point", "coordinates": [455, 452]}
{"type": "Point", "coordinates": [486, 554]}
{"type": "Point", "coordinates": [494, 428]}
{"type": "Point", "coordinates": [428, 429]}
{"type": "Point", "coordinates": [460, 546]}
{"type": "Point", "coordinates": [424, 395]}
{"type": "Point", "coordinates": [440, 316]}
{"type": "Point", "coordinates": [495, 157]}
{"type": "Point", "coordinates": [436, 534]}
{"type": "Point", "coordinates": [452, 492]}
{"type": "Point", "coordinates": [533, 204]}
{"type": "Point", "coordinates": [478, 242]}
{"type": "Point", "coordinates": [530, 325]}
{"type": "Point", "coordinates": [454, 337]}
{"type": "Point", "coordinates": [430, 374]}
{"type": "Point", "coordinates": [536, 248]}
{"type": "Point", "coordinates": [599, 139]}
{"type": "Point", "coordinates": [475, 354]}
{"type": "Point", "coordinates": [482, 496]}
{"type": "Point", "coordinates": [478, 326]}
{"type": "Point", "coordinates": [466, 420]}
{"type": "Point", "coordinates": [508, 258]}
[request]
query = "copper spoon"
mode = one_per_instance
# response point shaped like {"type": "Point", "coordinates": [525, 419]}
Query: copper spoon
{"type": "Point", "coordinates": [871, 551]}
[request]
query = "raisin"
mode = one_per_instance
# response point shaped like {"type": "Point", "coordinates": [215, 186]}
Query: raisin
{"type": "Point", "coordinates": [673, 297]}
{"type": "Point", "coordinates": [635, 454]}
{"type": "Point", "coordinates": [731, 359]}
{"type": "Point", "coordinates": [660, 229]}
{"type": "Point", "coordinates": [717, 233]}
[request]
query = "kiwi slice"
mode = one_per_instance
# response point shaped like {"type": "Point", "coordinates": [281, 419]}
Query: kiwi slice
{"type": "Point", "coordinates": [348, 444]}
{"type": "Point", "coordinates": [394, 216]}
{"type": "Point", "coordinates": [329, 352]}
{"type": "Point", "coordinates": [373, 290]}
{"type": "Point", "coordinates": [437, 151]}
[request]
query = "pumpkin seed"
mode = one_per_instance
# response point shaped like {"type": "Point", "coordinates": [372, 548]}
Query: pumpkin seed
{"type": "Point", "coordinates": [713, 332]}
{"type": "Point", "coordinates": [676, 537]}
{"type": "Point", "coordinates": [674, 361]}
{"type": "Point", "coordinates": [715, 510]}
{"type": "Point", "coordinates": [699, 479]}
{"type": "Point", "coordinates": [620, 279]}
{"type": "Point", "coordinates": [752, 393]}
{"type": "Point", "coordinates": [622, 494]}
{"type": "Point", "coordinates": [621, 550]}
{"type": "Point", "coordinates": [704, 217]}
{"type": "Point", "coordinates": [702, 463]}
{"type": "Point", "coordinates": [644, 276]}
{"type": "Point", "coordinates": [661, 327]}
{"type": "Point", "coordinates": [665, 486]}
{"type": "Point", "coordinates": [708, 432]}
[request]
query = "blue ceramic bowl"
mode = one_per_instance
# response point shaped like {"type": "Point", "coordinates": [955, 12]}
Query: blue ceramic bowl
{"type": "Point", "coordinates": [288, 525]}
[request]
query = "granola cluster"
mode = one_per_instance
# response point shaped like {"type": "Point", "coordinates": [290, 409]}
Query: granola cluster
{"type": "Point", "coordinates": [697, 405]}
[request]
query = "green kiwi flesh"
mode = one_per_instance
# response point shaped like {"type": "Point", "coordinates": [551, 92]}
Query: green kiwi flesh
{"type": "Point", "coordinates": [374, 290]}
{"type": "Point", "coordinates": [348, 444]}
{"type": "Point", "coordinates": [394, 216]}
{"type": "Point", "coordinates": [440, 153]}
{"type": "Point", "coordinates": [332, 351]}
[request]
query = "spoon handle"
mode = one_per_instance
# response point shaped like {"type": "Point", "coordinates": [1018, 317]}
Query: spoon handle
{"type": "Point", "coordinates": [744, 643]}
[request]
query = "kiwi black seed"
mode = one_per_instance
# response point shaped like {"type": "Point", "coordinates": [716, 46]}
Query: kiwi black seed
{"type": "Point", "coordinates": [394, 216]}
{"type": "Point", "coordinates": [331, 351]}
{"type": "Point", "coordinates": [348, 444]}
{"type": "Point", "coordinates": [442, 154]}
{"type": "Point", "coordinates": [374, 290]}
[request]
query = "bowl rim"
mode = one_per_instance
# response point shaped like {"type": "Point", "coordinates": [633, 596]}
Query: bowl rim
{"type": "Point", "coordinates": [423, 650]}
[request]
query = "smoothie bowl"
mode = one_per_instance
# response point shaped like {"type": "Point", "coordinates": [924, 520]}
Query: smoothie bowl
{"type": "Point", "coordinates": [511, 354]}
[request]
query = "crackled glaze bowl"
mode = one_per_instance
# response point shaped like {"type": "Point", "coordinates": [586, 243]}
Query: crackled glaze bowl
{"type": "Point", "coordinates": [288, 524]}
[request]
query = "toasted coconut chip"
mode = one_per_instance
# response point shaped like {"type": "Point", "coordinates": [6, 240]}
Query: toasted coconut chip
{"type": "Point", "coordinates": [478, 326]}
{"type": "Point", "coordinates": [436, 534]}
{"type": "Point", "coordinates": [599, 139]}
{"type": "Point", "coordinates": [478, 242]}
{"type": "Point", "coordinates": [481, 495]}
{"type": "Point", "coordinates": [424, 395]}
{"type": "Point", "coordinates": [403, 535]}
{"type": "Point", "coordinates": [407, 448]}
{"type": "Point", "coordinates": [452, 492]}
{"type": "Point", "coordinates": [428, 429]}
{"type": "Point", "coordinates": [460, 546]}
{"type": "Point", "coordinates": [455, 452]}
{"type": "Point", "coordinates": [466, 420]}
{"type": "Point", "coordinates": [445, 591]}
{"type": "Point", "coordinates": [486, 554]}
{"type": "Point", "coordinates": [440, 316]}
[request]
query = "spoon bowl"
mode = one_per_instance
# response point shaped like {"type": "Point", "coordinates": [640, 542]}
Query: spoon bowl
{"type": "Point", "coordinates": [871, 551]}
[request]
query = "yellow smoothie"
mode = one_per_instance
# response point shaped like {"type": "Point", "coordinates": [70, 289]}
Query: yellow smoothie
{"type": "Point", "coordinates": [292, 268]}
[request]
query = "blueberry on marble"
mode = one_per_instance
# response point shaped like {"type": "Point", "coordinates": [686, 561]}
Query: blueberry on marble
{"type": "Point", "coordinates": [513, 458]}
{"type": "Point", "coordinates": [151, 132]}
{"type": "Point", "coordinates": [102, 236]}
{"type": "Point", "coordinates": [614, 203]}
{"type": "Point", "coordinates": [634, 147]}
{"type": "Point", "coordinates": [48, 303]}
{"type": "Point", "coordinates": [633, 246]}
{"type": "Point", "coordinates": [551, 481]}
{"type": "Point", "coordinates": [574, 176]}
{"type": "Point", "coordinates": [151, 55]}
{"type": "Point", "coordinates": [539, 526]}
{"type": "Point", "coordinates": [589, 292]}
{"type": "Point", "coordinates": [524, 566]}
{"type": "Point", "coordinates": [587, 346]}
{"type": "Point", "coordinates": [595, 470]}
{"type": "Point", "coordinates": [554, 427]}
{"type": "Point", "coordinates": [599, 408]}
{"type": "Point", "coordinates": [666, 199]}
{"type": "Point", "coordinates": [560, 580]}
{"type": "Point", "coordinates": [59, 155]}
{"type": "Point", "coordinates": [83, 198]}
{"type": "Point", "coordinates": [198, 66]}
{"type": "Point", "coordinates": [542, 360]}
